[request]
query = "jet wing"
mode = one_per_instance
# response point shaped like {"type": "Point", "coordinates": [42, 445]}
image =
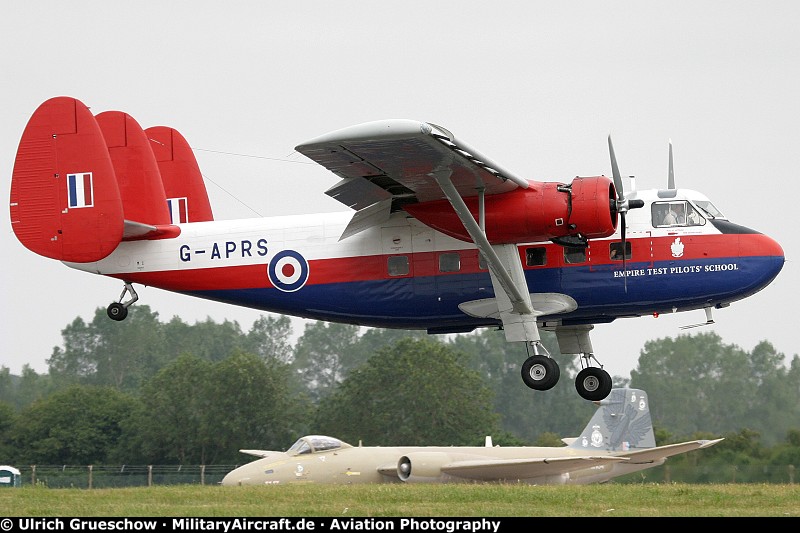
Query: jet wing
{"type": "Point", "coordinates": [649, 455]}
{"type": "Point", "coordinates": [258, 453]}
{"type": "Point", "coordinates": [394, 159]}
{"type": "Point", "coordinates": [513, 469]}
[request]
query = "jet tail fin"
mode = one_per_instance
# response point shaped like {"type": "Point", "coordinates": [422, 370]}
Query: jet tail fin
{"type": "Point", "coordinates": [622, 423]}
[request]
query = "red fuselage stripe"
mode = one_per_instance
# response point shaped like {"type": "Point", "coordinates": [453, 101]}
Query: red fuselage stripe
{"type": "Point", "coordinates": [374, 267]}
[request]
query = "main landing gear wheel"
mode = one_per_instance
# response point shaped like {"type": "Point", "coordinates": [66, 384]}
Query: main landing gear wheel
{"type": "Point", "coordinates": [593, 383]}
{"type": "Point", "coordinates": [117, 311]}
{"type": "Point", "coordinates": [540, 372]}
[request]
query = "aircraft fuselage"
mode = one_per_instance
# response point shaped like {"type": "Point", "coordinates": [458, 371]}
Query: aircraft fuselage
{"type": "Point", "coordinates": [404, 274]}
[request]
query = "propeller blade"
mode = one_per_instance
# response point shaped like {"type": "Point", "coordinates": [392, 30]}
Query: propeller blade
{"type": "Point", "coordinates": [615, 172]}
{"type": "Point", "coordinates": [624, 252]}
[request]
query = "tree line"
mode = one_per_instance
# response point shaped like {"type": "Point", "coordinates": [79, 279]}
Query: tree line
{"type": "Point", "coordinates": [145, 391]}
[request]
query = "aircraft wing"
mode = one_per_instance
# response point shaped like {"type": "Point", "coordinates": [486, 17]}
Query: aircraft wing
{"type": "Point", "coordinates": [512, 469]}
{"type": "Point", "coordinates": [394, 159]}
{"type": "Point", "coordinates": [649, 455]}
{"type": "Point", "coordinates": [258, 453]}
{"type": "Point", "coordinates": [387, 164]}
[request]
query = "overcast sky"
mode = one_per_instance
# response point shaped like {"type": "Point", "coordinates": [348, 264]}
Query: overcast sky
{"type": "Point", "coordinates": [534, 85]}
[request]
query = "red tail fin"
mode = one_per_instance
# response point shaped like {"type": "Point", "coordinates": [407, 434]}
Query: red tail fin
{"type": "Point", "coordinates": [138, 177]}
{"type": "Point", "coordinates": [183, 182]}
{"type": "Point", "coordinates": [65, 202]}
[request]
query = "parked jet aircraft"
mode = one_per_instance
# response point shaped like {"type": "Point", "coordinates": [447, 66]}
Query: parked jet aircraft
{"type": "Point", "coordinates": [618, 440]}
{"type": "Point", "coordinates": [442, 238]}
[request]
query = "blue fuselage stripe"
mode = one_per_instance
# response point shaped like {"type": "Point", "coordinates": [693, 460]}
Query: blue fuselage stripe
{"type": "Point", "coordinates": [599, 290]}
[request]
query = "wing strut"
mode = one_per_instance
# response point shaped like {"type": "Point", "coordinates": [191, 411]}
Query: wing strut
{"type": "Point", "coordinates": [508, 279]}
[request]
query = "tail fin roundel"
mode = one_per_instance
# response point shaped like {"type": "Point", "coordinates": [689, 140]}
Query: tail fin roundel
{"type": "Point", "coordinates": [65, 202]}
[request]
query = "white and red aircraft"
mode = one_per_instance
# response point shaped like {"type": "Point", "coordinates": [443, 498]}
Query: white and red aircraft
{"type": "Point", "coordinates": [442, 238]}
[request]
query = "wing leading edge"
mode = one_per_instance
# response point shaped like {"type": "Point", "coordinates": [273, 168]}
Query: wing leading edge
{"type": "Point", "coordinates": [521, 469]}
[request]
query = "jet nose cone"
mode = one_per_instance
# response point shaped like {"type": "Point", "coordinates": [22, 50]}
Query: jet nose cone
{"type": "Point", "coordinates": [231, 478]}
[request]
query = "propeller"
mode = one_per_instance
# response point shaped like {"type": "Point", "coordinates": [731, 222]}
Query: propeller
{"type": "Point", "coordinates": [622, 205]}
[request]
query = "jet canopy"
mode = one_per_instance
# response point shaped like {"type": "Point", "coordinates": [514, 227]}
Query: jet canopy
{"type": "Point", "coordinates": [316, 444]}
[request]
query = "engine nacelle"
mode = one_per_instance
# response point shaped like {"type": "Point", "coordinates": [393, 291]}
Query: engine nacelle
{"type": "Point", "coordinates": [543, 211]}
{"type": "Point", "coordinates": [422, 467]}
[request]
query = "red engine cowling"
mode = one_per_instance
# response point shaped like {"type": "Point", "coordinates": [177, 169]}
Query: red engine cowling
{"type": "Point", "coordinates": [543, 211]}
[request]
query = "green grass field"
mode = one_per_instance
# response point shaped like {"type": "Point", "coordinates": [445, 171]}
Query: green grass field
{"type": "Point", "coordinates": [406, 500]}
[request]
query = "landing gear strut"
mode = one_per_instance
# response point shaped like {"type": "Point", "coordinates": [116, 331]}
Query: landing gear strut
{"type": "Point", "coordinates": [541, 372]}
{"type": "Point", "coordinates": [119, 310]}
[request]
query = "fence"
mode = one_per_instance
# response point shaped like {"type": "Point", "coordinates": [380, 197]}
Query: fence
{"type": "Point", "coordinates": [107, 476]}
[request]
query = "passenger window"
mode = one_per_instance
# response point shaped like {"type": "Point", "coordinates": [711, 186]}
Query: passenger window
{"type": "Point", "coordinates": [615, 250]}
{"type": "Point", "coordinates": [449, 262]}
{"type": "Point", "coordinates": [398, 265]}
{"type": "Point", "coordinates": [536, 256]}
{"type": "Point", "coordinates": [574, 254]}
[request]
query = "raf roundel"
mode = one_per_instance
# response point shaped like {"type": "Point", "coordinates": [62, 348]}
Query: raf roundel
{"type": "Point", "coordinates": [288, 271]}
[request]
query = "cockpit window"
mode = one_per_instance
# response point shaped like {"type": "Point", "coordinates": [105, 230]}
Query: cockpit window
{"type": "Point", "coordinates": [299, 447]}
{"type": "Point", "coordinates": [709, 209]}
{"type": "Point", "coordinates": [320, 443]}
{"type": "Point", "coordinates": [315, 443]}
{"type": "Point", "coordinates": [677, 213]}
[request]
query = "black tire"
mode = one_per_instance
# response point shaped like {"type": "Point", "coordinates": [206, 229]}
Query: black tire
{"type": "Point", "coordinates": [117, 311]}
{"type": "Point", "coordinates": [593, 383]}
{"type": "Point", "coordinates": [540, 372]}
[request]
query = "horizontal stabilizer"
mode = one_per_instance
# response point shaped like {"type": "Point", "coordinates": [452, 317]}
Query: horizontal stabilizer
{"type": "Point", "coordinates": [65, 202]}
{"type": "Point", "coordinates": [136, 231]}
